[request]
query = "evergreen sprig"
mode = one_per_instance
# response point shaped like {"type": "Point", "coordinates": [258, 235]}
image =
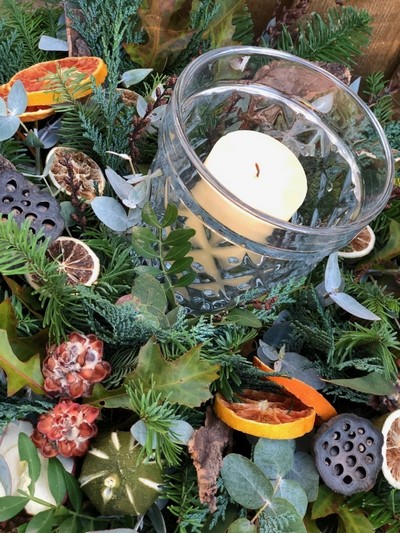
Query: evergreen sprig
{"type": "Point", "coordinates": [19, 408]}
{"type": "Point", "coordinates": [339, 38]}
{"type": "Point", "coordinates": [380, 100]}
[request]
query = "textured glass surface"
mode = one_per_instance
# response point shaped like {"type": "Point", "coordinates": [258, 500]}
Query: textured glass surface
{"type": "Point", "coordinates": [335, 137]}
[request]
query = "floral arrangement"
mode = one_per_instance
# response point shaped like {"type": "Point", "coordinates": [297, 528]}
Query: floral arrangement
{"type": "Point", "coordinates": [120, 411]}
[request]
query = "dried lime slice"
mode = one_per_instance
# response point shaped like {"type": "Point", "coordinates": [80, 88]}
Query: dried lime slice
{"type": "Point", "coordinates": [391, 449]}
{"type": "Point", "coordinates": [361, 245]}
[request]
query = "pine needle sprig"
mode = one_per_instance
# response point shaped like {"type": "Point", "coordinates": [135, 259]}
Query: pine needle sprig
{"type": "Point", "coordinates": [379, 97]}
{"type": "Point", "coordinates": [159, 416]}
{"type": "Point", "coordinates": [68, 84]}
{"type": "Point", "coordinates": [19, 408]}
{"type": "Point", "coordinates": [339, 38]}
{"type": "Point", "coordinates": [9, 48]}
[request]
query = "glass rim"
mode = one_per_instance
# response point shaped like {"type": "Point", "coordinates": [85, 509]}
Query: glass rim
{"type": "Point", "coordinates": [187, 75]}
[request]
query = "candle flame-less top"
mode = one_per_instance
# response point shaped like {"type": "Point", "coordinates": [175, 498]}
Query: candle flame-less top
{"type": "Point", "coordinates": [259, 170]}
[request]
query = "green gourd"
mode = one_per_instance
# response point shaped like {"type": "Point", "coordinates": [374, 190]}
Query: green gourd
{"type": "Point", "coordinates": [115, 481]}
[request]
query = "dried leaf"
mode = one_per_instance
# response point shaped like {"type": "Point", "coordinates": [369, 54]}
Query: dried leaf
{"type": "Point", "coordinates": [221, 28]}
{"type": "Point", "coordinates": [206, 448]}
{"type": "Point", "coordinates": [166, 23]}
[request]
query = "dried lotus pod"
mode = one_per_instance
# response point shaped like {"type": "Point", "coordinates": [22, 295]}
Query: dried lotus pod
{"type": "Point", "coordinates": [27, 202]}
{"type": "Point", "coordinates": [75, 172]}
{"type": "Point", "coordinates": [116, 479]}
{"type": "Point", "coordinates": [348, 453]}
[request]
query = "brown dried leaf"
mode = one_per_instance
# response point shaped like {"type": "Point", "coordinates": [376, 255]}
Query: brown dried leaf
{"type": "Point", "coordinates": [166, 23]}
{"type": "Point", "coordinates": [206, 448]}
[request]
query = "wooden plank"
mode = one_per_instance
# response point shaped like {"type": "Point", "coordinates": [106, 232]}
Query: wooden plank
{"type": "Point", "coordinates": [384, 50]}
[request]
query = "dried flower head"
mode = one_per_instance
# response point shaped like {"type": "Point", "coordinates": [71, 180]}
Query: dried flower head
{"type": "Point", "coordinates": [72, 368]}
{"type": "Point", "coordinates": [66, 430]}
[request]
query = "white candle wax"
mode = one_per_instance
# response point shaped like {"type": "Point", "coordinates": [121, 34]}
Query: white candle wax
{"type": "Point", "coordinates": [261, 172]}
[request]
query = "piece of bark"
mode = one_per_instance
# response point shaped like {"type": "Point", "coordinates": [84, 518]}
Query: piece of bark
{"type": "Point", "coordinates": [206, 448]}
{"type": "Point", "coordinates": [77, 46]}
{"type": "Point", "coordinates": [5, 164]}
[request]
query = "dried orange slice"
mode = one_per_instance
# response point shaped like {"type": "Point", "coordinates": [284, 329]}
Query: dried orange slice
{"type": "Point", "coordinates": [39, 89]}
{"type": "Point", "coordinates": [31, 113]}
{"type": "Point", "coordinates": [304, 392]}
{"type": "Point", "coordinates": [361, 245]}
{"type": "Point", "coordinates": [87, 177]}
{"type": "Point", "coordinates": [265, 414]}
{"type": "Point", "coordinates": [76, 259]}
{"type": "Point", "coordinates": [391, 449]}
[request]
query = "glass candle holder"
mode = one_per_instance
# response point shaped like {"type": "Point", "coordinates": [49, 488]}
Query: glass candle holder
{"type": "Point", "coordinates": [338, 141]}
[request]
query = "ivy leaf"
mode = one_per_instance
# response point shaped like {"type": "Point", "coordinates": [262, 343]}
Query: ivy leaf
{"type": "Point", "coordinates": [245, 482]}
{"type": "Point", "coordinates": [242, 525]}
{"type": "Point", "coordinates": [19, 374]}
{"type": "Point", "coordinates": [10, 506]}
{"type": "Point", "coordinates": [221, 28]}
{"type": "Point", "coordinates": [185, 380]}
{"type": "Point", "coordinates": [372, 383]}
{"type": "Point", "coordinates": [167, 33]}
{"type": "Point", "coordinates": [274, 457]}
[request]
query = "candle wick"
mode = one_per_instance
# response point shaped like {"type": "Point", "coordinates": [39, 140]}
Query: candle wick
{"type": "Point", "coordinates": [258, 170]}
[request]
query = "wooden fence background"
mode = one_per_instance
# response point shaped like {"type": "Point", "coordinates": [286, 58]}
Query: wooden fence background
{"type": "Point", "coordinates": [384, 50]}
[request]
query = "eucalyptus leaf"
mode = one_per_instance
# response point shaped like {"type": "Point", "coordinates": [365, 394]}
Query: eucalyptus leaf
{"type": "Point", "coordinates": [49, 136]}
{"type": "Point", "coordinates": [8, 126]}
{"type": "Point", "coordinates": [274, 457]}
{"type": "Point", "coordinates": [51, 44]}
{"type": "Point", "coordinates": [333, 277]}
{"type": "Point", "coordinates": [148, 291]}
{"type": "Point", "coordinates": [141, 106]}
{"type": "Point", "coordinates": [5, 476]}
{"type": "Point", "coordinates": [66, 212]}
{"type": "Point", "coordinates": [110, 212]}
{"type": "Point", "coordinates": [305, 472]}
{"type": "Point", "coordinates": [29, 453]}
{"type": "Point", "coordinates": [298, 366]}
{"type": "Point", "coordinates": [134, 76]}
{"type": "Point", "coordinates": [17, 99]}
{"type": "Point", "coordinates": [138, 194]}
{"type": "Point", "coordinates": [33, 140]}
{"type": "Point", "coordinates": [157, 115]}
{"type": "Point", "coordinates": [273, 516]}
{"type": "Point", "coordinates": [139, 433]}
{"type": "Point", "coordinates": [291, 490]}
{"type": "Point", "coordinates": [267, 353]}
{"type": "Point", "coordinates": [242, 525]}
{"type": "Point", "coordinates": [55, 475]}
{"type": "Point", "coordinates": [245, 482]}
{"type": "Point", "coordinates": [120, 186]}
{"type": "Point", "coordinates": [134, 216]}
{"type": "Point", "coordinates": [3, 108]}
{"type": "Point", "coordinates": [180, 432]}
{"type": "Point", "coordinates": [349, 304]}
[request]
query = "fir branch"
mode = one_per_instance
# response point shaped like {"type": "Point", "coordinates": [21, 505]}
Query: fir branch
{"type": "Point", "coordinates": [15, 152]}
{"type": "Point", "coordinates": [380, 99]}
{"type": "Point", "coordinates": [122, 361]}
{"type": "Point", "coordinates": [9, 48]}
{"type": "Point", "coordinates": [29, 24]}
{"type": "Point", "coordinates": [159, 416]}
{"type": "Point", "coordinates": [339, 39]}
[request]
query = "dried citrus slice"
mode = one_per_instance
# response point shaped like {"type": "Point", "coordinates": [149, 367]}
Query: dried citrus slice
{"type": "Point", "coordinates": [76, 259]}
{"type": "Point", "coordinates": [304, 392]}
{"type": "Point", "coordinates": [39, 89]}
{"type": "Point", "coordinates": [391, 449]}
{"type": "Point", "coordinates": [265, 414]}
{"type": "Point", "coordinates": [361, 245]}
{"type": "Point", "coordinates": [87, 178]}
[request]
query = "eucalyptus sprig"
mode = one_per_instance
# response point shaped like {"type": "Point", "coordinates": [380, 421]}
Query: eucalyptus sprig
{"type": "Point", "coordinates": [167, 248]}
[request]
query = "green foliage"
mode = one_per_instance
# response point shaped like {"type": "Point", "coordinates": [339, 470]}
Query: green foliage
{"type": "Point", "coordinates": [380, 101]}
{"type": "Point", "coordinates": [15, 152]}
{"type": "Point", "coordinates": [169, 250]}
{"type": "Point", "coordinates": [185, 381]}
{"type": "Point", "coordinates": [25, 25]}
{"type": "Point", "coordinates": [392, 130]}
{"type": "Point", "coordinates": [339, 38]}
{"type": "Point", "coordinates": [18, 408]}
{"type": "Point", "coordinates": [159, 417]}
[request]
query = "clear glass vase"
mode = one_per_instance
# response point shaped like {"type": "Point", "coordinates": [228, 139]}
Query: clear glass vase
{"type": "Point", "coordinates": [336, 138]}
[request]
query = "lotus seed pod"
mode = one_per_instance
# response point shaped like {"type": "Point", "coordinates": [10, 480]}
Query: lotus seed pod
{"type": "Point", "coordinates": [115, 481]}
